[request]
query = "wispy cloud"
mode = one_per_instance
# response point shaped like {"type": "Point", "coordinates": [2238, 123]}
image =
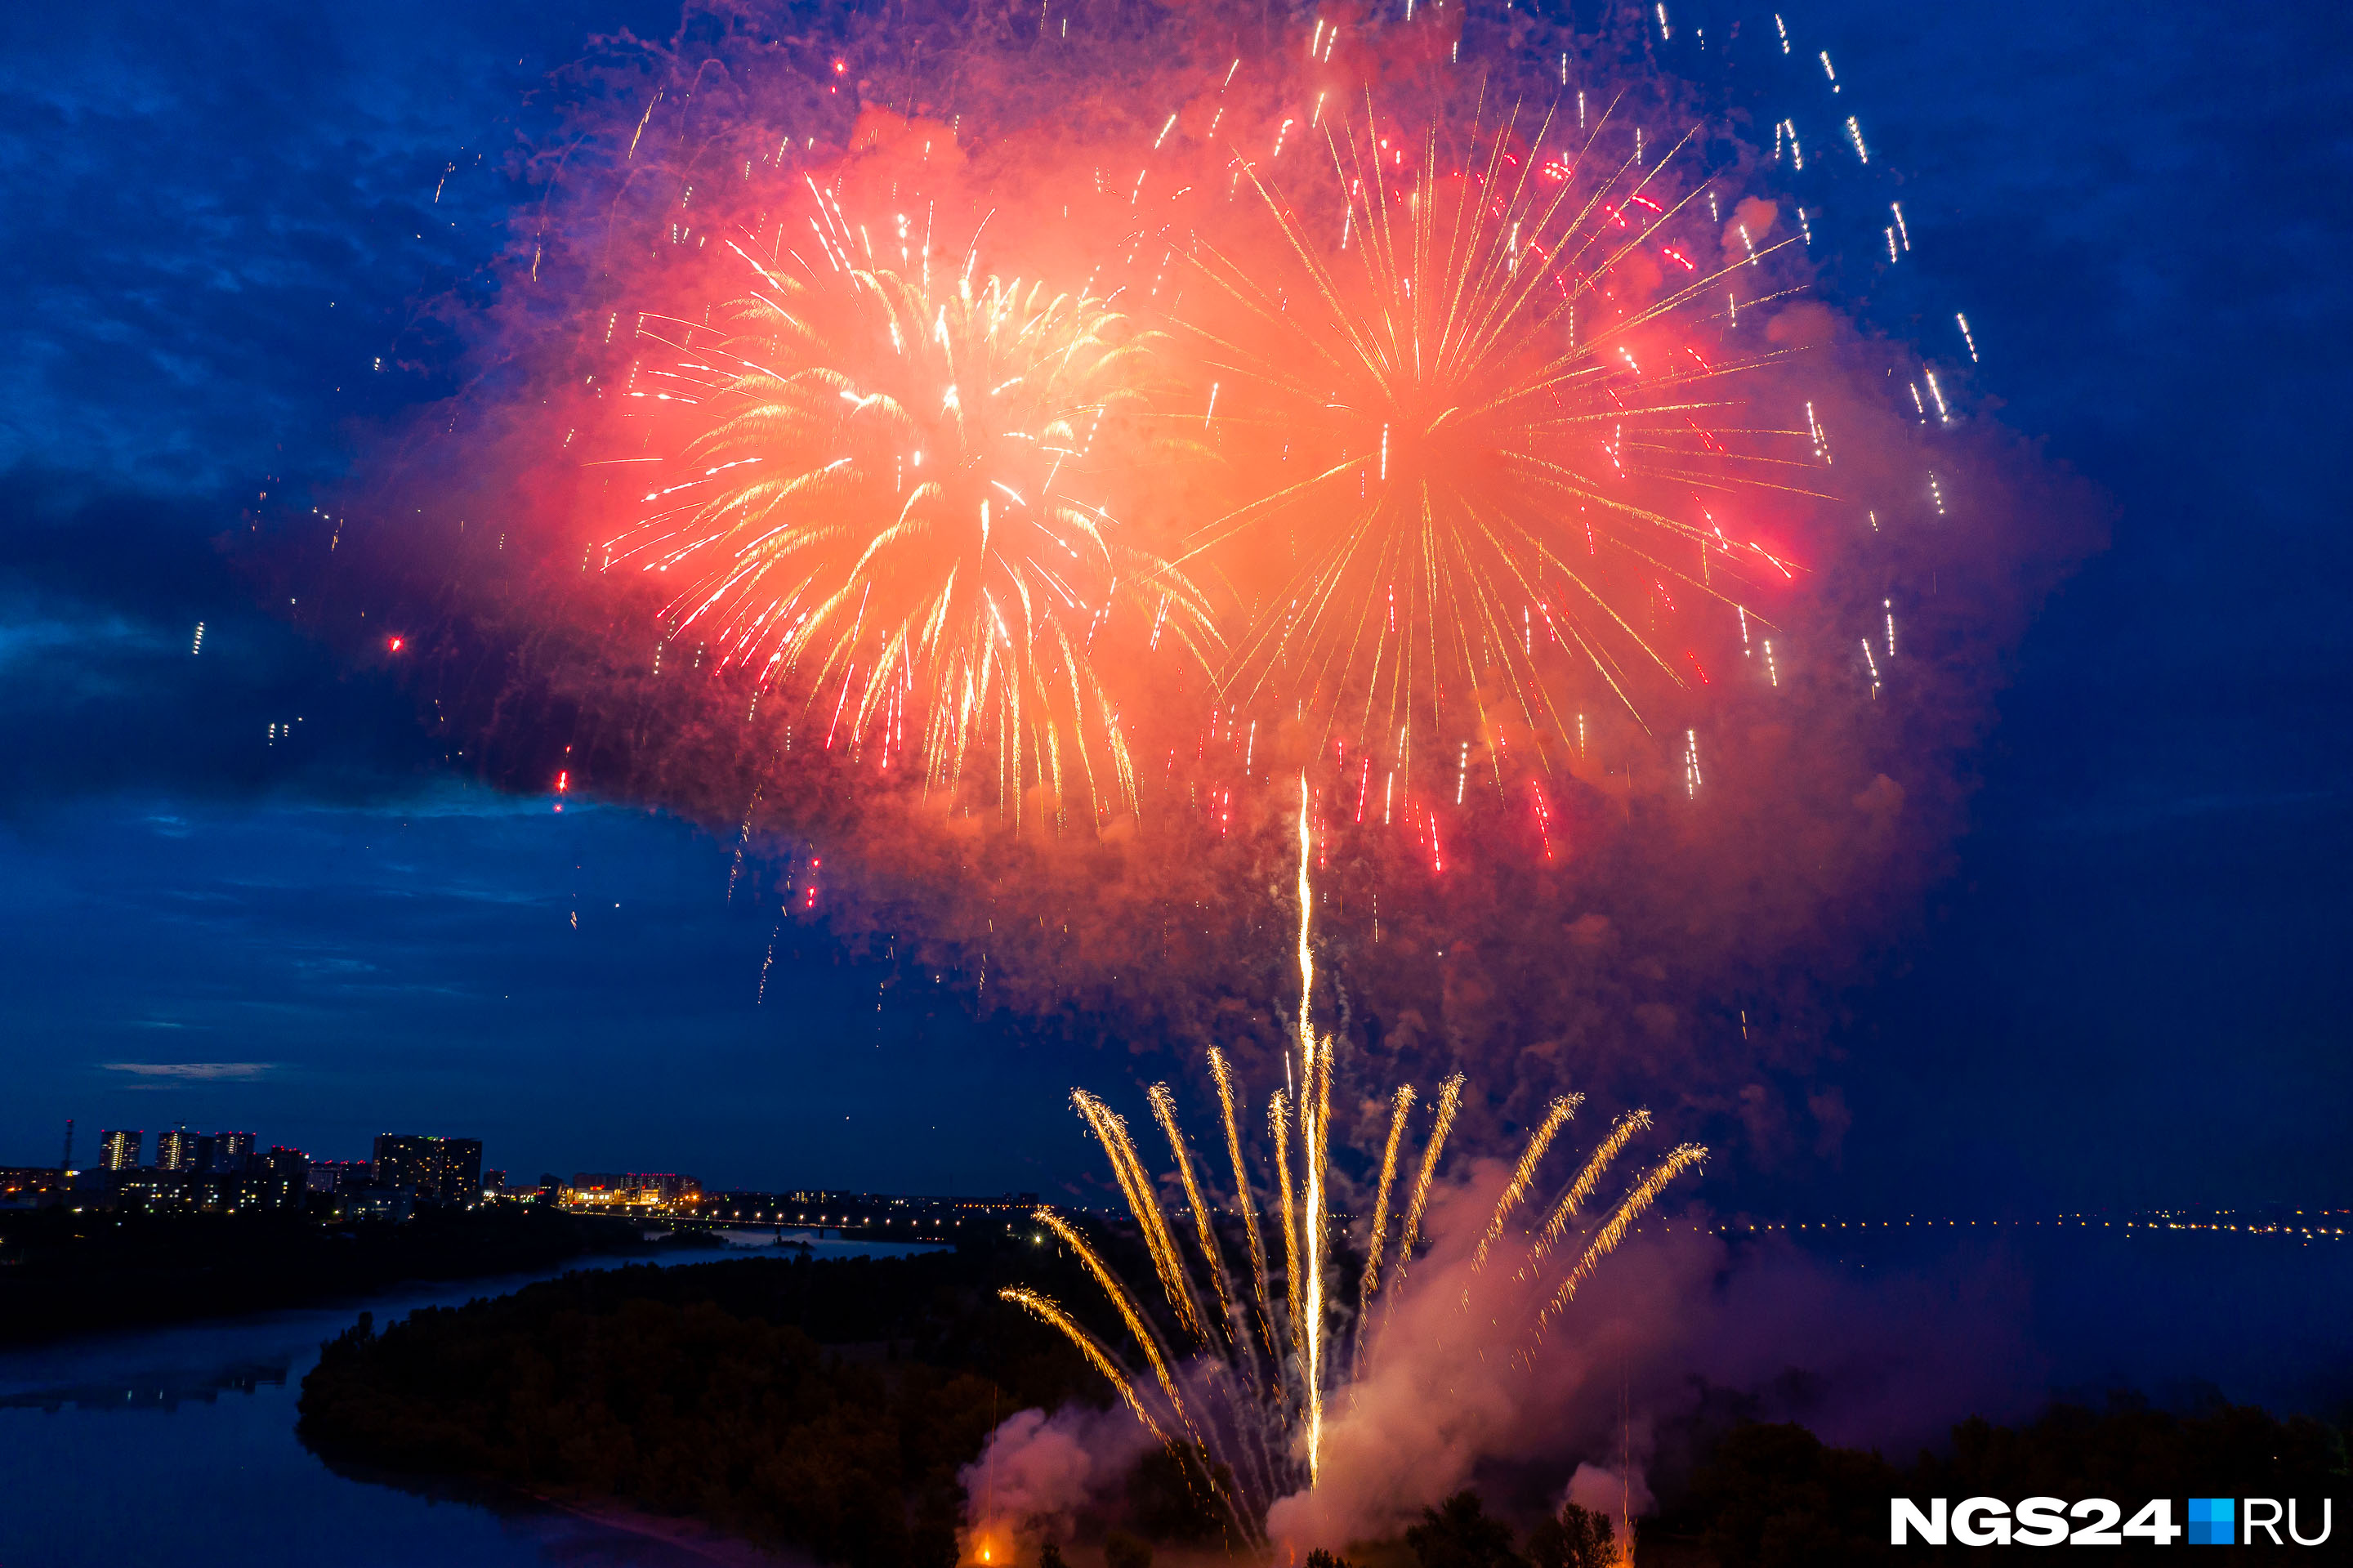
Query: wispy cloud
{"type": "Point", "coordinates": [190, 1069]}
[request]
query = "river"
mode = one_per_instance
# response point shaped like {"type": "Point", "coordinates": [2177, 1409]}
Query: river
{"type": "Point", "coordinates": [176, 1446]}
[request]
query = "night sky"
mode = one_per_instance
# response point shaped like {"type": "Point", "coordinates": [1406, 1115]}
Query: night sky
{"type": "Point", "coordinates": [2130, 990]}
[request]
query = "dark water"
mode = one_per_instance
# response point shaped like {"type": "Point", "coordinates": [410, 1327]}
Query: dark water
{"type": "Point", "coordinates": [176, 1446]}
{"type": "Point", "coordinates": [2176, 1315]}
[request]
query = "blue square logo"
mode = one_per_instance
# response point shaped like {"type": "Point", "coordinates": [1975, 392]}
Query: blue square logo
{"type": "Point", "coordinates": [2210, 1519]}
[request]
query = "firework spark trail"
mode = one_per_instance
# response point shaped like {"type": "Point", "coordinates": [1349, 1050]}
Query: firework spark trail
{"type": "Point", "coordinates": [1164, 1108]}
{"type": "Point", "coordinates": [1588, 1178]}
{"type": "Point", "coordinates": [1278, 1127]}
{"type": "Point", "coordinates": [1237, 1374]}
{"type": "Point", "coordinates": [1270, 1435]}
{"type": "Point", "coordinates": [1450, 1097]}
{"type": "Point", "coordinates": [1111, 1132]}
{"type": "Point", "coordinates": [1556, 1116]}
{"type": "Point", "coordinates": [1224, 1077]}
{"type": "Point", "coordinates": [1089, 1346]}
{"type": "Point", "coordinates": [1144, 1195]}
{"type": "Point", "coordinates": [1629, 1209]}
{"type": "Point", "coordinates": [1315, 1128]}
{"type": "Point", "coordinates": [1306, 948]}
{"type": "Point", "coordinates": [1318, 1222]}
{"type": "Point", "coordinates": [1147, 1338]}
{"type": "Point", "coordinates": [1400, 1103]}
{"type": "Point", "coordinates": [1262, 1423]}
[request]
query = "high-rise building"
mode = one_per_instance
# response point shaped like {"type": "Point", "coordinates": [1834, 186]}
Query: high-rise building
{"type": "Point", "coordinates": [410, 1161]}
{"type": "Point", "coordinates": [119, 1151]}
{"type": "Point", "coordinates": [462, 1171]}
{"type": "Point", "coordinates": [232, 1151]}
{"type": "Point", "coordinates": [446, 1171]}
{"type": "Point", "coordinates": [176, 1150]}
{"type": "Point", "coordinates": [280, 1178]}
{"type": "Point", "coordinates": [340, 1175]}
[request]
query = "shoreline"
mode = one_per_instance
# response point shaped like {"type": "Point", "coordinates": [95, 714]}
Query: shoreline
{"type": "Point", "coordinates": [47, 1302]}
{"type": "Point", "coordinates": [684, 1533]}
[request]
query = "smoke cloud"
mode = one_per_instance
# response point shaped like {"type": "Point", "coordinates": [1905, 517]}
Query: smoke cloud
{"type": "Point", "coordinates": [1593, 861]}
{"type": "Point", "coordinates": [1039, 1471]}
{"type": "Point", "coordinates": [1677, 1331]}
{"type": "Point", "coordinates": [1461, 1377]}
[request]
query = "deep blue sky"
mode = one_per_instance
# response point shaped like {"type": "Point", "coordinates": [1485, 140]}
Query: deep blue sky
{"type": "Point", "coordinates": [2132, 992]}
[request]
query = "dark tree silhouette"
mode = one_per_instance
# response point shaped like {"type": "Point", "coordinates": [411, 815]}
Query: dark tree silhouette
{"type": "Point", "coordinates": [1458, 1533]}
{"type": "Point", "coordinates": [829, 1406]}
{"type": "Point", "coordinates": [1573, 1537]}
{"type": "Point", "coordinates": [1122, 1550]}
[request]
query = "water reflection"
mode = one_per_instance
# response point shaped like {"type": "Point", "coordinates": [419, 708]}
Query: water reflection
{"type": "Point", "coordinates": [162, 1390]}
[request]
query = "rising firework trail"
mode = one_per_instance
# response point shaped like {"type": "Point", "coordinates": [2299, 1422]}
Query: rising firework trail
{"type": "Point", "coordinates": [1250, 1437]}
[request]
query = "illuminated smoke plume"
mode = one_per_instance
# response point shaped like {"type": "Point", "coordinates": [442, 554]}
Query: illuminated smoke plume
{"type": "Point", "coordinates": [1241, 1391]}
{"type": "Point", "coordinates": [1311, 1415]}
{"type": "Point", "coordinates": [1434, 407]}
{"type": "Point", "coordinates": [1040, 1471]}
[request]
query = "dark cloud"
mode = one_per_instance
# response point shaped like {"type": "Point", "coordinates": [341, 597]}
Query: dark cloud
{"type": "Point", "coordinates": [111, 685]}
{"type": "Point", "coordinates": [577, 990]}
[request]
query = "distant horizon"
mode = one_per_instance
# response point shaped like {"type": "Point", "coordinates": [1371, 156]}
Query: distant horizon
{"type": "Point", "coordinates": [1108, 1201]}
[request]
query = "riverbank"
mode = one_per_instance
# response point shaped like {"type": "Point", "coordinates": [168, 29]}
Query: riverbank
{"type": "Point", "coordinates": [822, 1406]}
{"type": "Point", "coordinates": [177, 1443]}
{"type": "Point", "coordinates": [63, 1273]}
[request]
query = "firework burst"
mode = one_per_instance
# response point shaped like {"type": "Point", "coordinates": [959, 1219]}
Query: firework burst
{"type": "Point", "coordinates": [1513, 466]}
{"type": "Point", "coordinates": [889, 507]}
